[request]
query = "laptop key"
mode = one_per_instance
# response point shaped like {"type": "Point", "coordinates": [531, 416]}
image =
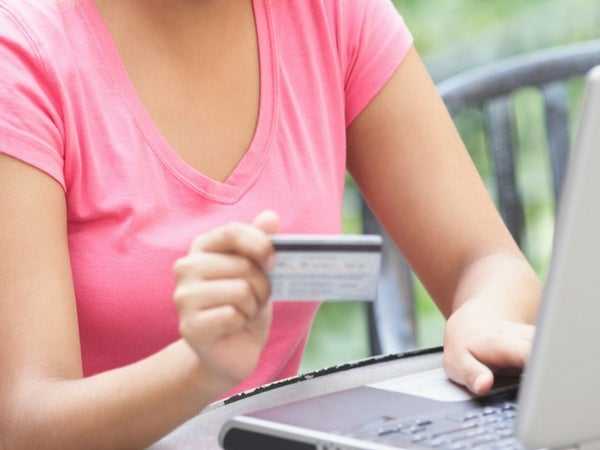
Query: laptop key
{"type": "Point", "coordinates": [438, 442]}
{"type": "Point", "coordinates": [390, 430]}
{"type": "Point", "coordinates": [454, 429]}
{"type": "Point", "coordinates": [488, 420]}
{"type": "Point", "coordinates": [506, 433]}
{"type": "Point", "coordinates": [418, 438]}
{"type": "Point", "coordinates": [423, 422]}
{"type": "Point", "coordinates": [483, 443]}
{"type": "Point", "coordinates": [508, 443]}
{"type": "Point", "coordinates": [457, 446]}
{"type": "Point", "coordinates": [464, 416]}
{"type": "Point", "coordinates": [502, 426]}
{"type": "Point", "coordinates": [467, 435]}
{"type": "Point", "coordinates": [489, 410]}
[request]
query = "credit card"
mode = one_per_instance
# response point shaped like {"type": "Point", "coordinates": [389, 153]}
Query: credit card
{"type": "Point", "coordinates": [325, 267]}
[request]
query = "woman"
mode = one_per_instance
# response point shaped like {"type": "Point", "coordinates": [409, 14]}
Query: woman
{"type": "Point", "coordinates": [142, 137]}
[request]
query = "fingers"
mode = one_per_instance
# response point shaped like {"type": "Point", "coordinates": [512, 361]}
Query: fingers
{"type": "Point", "coordinates": [464, 369]}
{"type": "Point", "coordinates": [225, 269]}
{"type": "Point", "coordinates": [237, 238]}
{"type": "Point", "coordinates": [470, 360]}
{"type": "Point", "coordinates": [222, 291]}
{"type": "Point", "coordinates": [213, 266]}
{"type": "Point", "coordinates": [207, 280]}
{"type": "Point", "coordinates": [510, 348]}
{"type": "Point", "coordinates": [267, 221]}
{"type": "Point", "coordinates": [222, 284]}
{"type": "Point", "coordinates": [240, 293]}
{"type": "Point", "coordinates": [210, 325]}
{"type": "Point", "coordinates": [524, 331]}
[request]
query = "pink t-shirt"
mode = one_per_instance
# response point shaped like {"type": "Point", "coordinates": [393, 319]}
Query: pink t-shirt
{"type": "Point", "coordinates": [68, 108]}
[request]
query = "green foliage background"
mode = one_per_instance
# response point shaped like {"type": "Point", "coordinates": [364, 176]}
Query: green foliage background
{"type": "Point", "coordinates": [453, 36]}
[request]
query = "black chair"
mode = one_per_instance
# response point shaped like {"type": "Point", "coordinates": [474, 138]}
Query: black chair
{"type": "Point", "coordinates": [490, 90]}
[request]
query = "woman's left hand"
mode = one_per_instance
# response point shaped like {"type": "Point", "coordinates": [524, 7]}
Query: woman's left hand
{"type": "Point", "coordinates": [424, 189]}
{"type": "Point", "coordinates": [480, 341]}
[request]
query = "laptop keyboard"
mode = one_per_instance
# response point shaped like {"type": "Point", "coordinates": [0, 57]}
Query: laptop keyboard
{"type": "Point", "coordinates": [489, 427]}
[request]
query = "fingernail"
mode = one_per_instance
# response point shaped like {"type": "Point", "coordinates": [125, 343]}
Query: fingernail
{"type": "Point", "coordinates": [478, 385]}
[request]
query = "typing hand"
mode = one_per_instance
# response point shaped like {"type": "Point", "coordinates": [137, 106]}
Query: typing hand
{"type": "Point", "coordinates": [480, 341]}
{"type": "Point", "coordinates": [222, 297]}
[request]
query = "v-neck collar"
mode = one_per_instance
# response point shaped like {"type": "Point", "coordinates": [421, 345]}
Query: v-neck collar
{"type": "Point", "coordinates": [247, 170]}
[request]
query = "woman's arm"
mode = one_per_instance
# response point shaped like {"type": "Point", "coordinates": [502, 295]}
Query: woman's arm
{"type": "Point", "coordinates": [409, 161]}
{"type": "Point", "coordinates": [44, 401]}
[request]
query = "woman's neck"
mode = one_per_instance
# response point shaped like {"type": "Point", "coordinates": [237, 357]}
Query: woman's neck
{"type": "Point", "coordinates": [175, 22]}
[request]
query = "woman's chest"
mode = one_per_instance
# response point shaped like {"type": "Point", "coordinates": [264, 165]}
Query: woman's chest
{"type": "Point", "coordinates": [129, 222]}
{"type": "Point", "coordinates": [135, 204]}
{"type": "Point", "coordinates": [194, 69]}
{"type": "Point", "coordinates": [134, 208]}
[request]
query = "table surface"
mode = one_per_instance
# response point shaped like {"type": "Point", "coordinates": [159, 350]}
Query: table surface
{"type": "Point", "coordinates": [202, 431]}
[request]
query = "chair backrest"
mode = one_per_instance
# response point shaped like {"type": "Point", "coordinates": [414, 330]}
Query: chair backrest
{"type": "Point", "coordinates": [489, 89]}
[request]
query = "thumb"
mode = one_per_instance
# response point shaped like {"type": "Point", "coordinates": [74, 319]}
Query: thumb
{"type": "Point", "coordinates": [484, 380]}
{"type": "Point", "coordinates": [470, 372]}
{"type": "Point", "coordinates": [267, 221]}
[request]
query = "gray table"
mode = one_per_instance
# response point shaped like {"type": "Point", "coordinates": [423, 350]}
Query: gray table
{"type": "Point", "coordinates": [201, 432]}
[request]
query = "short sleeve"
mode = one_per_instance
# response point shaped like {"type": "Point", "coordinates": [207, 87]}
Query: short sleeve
{"type": "Point", "coordinates": [377, 40]}
{"type": "Point", "coordinates": [30, 120]}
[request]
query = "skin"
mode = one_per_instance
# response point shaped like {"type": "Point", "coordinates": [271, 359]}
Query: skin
{"type": "Point", "coordinates": [441, 217]}
{"type": "Point", "coordinates": [445, 222]}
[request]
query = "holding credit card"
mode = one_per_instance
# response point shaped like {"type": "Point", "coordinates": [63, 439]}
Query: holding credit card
{"type": "Point", "coordinates": [326, 267]}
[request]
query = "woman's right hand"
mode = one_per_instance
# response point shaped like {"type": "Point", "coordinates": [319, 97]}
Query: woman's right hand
{"type": "Point", "coordinates": [222, 294]}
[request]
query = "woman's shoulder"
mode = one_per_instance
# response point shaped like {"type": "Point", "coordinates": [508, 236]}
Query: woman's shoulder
{"type": "Point", "coordinates": [34, 14]}
{"type": "Point", "coordinates": [339, 15]}
{"type": "Point", "coordinates": [347, 24]}
{"type": "Point", "coordinates": [365, 39]}
{"type": "Point", "coordinates": [35, 25]}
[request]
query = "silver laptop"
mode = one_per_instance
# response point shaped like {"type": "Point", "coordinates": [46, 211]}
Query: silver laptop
{"type": "Point", "coordinates": [556, 404]}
